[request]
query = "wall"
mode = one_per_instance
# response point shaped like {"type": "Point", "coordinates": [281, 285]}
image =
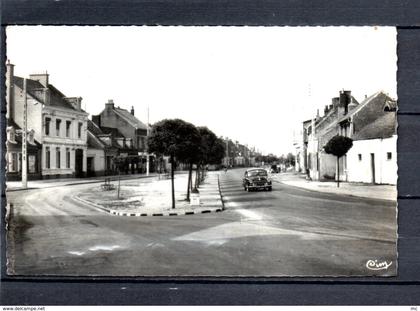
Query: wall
{"type": "Point", "coordinates": [98, 161]}
{"type": "Point", "coordinates": [34, 113]}
{"type": "Point", "coordinates": [385, 170]}
{"type": "Point", "coordinates": [73, 141]}
{"type": "Point", "coordinates": [328, 166]}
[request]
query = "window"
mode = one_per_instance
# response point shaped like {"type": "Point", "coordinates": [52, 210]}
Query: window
{"type": "Point", "coordinates": [67, 157]}
{"type": "Point", "coordinates": [79, 130]}
{"type": "Point", "coordinates": [389, 155]}
{"type": "Point", "coordinates": [47, 126]}
{"type": "Point", "coordinates": [57, 157]}
{"type": "Point", "coordinates": [360, 157]}
{"type": "Point", "coordinates": [14, 162]}
{"type": "Point", "coordinates": [57, 127]}
{"type": "Point", "coordinates": [11, 133]}
{"type": "Point", "coordinates": [32, 164]}
{"type": "Point", "coordinates": [68, 127]}
{"type": "Point", "coordinates": [47, 157]}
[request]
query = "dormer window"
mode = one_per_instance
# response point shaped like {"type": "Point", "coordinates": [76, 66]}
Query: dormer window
{"type": "Point", "coordinates": [390, 106]}
{"type": "Point", "coordinates": [31, 137]}
{"type": "Point", "coordinates": [11, 134]}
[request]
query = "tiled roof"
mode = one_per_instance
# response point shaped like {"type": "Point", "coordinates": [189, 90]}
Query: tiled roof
{"type": "Point", "coordinates": [31, 85]}
{"type": "Point", "coordinates": [94, 142]}
{"type": "Point", "coordinates": [130, 118]}
{"type": "Point", "coordinates": [92, 127]}
{"type": "Point", "coordinates": [57, 98]}
{"type": "Point", "coordinates": [382, 127]}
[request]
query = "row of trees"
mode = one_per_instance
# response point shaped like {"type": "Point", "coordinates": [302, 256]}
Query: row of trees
{"type": "Point", "coordinates": [287, 160]}
{"type": "Point", "coordinates": [184, 142]}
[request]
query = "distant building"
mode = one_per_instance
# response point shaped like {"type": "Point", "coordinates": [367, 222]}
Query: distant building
{"type": "Point", "coordinates": [127, 133]}
{"type": "Point", "coordinates": [58, 124]}
{"type": "Point", "coordinates": [372, 126]}
{"type": "Point", "coordinates": [102, 149]}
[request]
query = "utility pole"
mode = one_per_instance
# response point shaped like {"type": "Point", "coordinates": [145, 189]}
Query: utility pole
{"type": "Point", "coordinates": [24, 138]}
{"type": "Point", "coordinates": [227, 152]}
{"type": "Point", "coordinates": [147, 145]}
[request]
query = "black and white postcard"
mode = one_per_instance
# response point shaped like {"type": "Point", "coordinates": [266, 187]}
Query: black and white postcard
{"type": "Point", "coordinates": [201, 151]}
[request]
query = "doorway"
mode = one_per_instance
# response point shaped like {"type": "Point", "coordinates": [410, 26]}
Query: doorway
{"type": "Point", "coordinates": [372, 166]}
{"type": "Point", "coordinates": [78, 167]}
{"type": "Point", "coordinates": [90, 166]}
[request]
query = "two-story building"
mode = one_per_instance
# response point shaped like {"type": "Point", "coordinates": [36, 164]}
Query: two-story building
{"type": "Point", "coordinates": [58, 122]}
{"type": "Point", "coordinates": [128, 134]}
{"type": "Point", "coordinates": [372, 126]}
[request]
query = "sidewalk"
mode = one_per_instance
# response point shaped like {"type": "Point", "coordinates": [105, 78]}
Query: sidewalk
{"type": "Point", "coordinates": [154, 198]}
{"type": "Point", "coordinates": [383, 192]}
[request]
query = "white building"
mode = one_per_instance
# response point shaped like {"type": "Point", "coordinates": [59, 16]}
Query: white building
{"type": "Point", "coordinates": [373, 157]}
{"type": "Point", "coordinates": [58, 122]}
{"type": "Point", "coordinates": [372, 126]}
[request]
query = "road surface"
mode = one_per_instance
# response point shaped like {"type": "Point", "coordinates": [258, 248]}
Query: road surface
{"type": "Point", "coordinates": [285, 232]}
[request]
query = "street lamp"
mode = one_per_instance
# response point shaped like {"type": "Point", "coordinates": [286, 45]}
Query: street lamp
{"type": "Point", "coordinates": [24, 139]}
{"type": "Point", "coordinates": [147, 145]}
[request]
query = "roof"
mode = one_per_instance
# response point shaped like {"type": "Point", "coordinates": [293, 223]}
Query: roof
{"type": "Point", "coordinates": [382, 127]}
{"type": "Point", "coordinates": [130, 118]}
{"type": "Point", "coordinates": [92, 127]}
{"type": "Point", "coordinates": [57, 98]}
{"type": "Point", "coordinates": [18, 136]}
{"type": "Point", "coordinates": [94, 142]}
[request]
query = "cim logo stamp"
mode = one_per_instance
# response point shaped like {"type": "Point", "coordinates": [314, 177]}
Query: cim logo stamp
{"type": "Point", "coordinates": [378, 265]}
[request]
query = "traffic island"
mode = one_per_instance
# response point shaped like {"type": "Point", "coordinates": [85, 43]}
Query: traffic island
{"type": "Point", "coordinates": [137, 198]}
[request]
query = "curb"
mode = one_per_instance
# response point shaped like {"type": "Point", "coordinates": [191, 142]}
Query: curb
{"type": "Point", "coordinates": [166, 213]}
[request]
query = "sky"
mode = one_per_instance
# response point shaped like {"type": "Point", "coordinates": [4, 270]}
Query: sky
{"type": "Point", "coordinates": [255, 85]}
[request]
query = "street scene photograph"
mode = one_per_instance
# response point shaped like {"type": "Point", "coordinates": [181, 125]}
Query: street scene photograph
{"type": "Point", "coordinates": [201, 151]}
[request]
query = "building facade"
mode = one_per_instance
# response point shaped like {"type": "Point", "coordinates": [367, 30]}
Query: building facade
{"type": "Point", "coordinates": [127, 134]}
{"type": "Point", "coordinates": [372, 126]}
{"type": "Point", "coordinates": [58, 122]}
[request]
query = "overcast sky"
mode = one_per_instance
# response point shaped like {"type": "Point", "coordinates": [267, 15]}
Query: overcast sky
{"type": "Point", "coordinates": [252, 84]}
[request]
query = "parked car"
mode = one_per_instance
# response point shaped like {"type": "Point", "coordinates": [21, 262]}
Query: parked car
{"type": "Point", "coordinates": [256, 178]}
{"type": "Point", "coordinates": [275, 169]}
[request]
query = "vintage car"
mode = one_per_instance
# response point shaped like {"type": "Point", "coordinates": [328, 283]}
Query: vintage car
{"type": "Point", "coordinates": [256, 178]}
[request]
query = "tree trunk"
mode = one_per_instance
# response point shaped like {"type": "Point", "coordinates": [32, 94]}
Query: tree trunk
{"type": "Point", "coordinates": [119, 182]}
{"type": "Point", "coordinates": [197, 172]}
{"type": "Point", "coordinates": [172, 181]}
{"type": "Point", "coordinates": [189, 181]}
{"type": "Point", "coordinates": [338, 172]}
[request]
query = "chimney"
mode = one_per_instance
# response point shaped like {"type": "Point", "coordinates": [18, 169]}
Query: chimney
{"type": "Point", "coordinates": [317, 115]}
{"type": "Point", "coordinates": [109, 104]}
{"type": "Point", "coordinates": [10, 90]}
{"type": "Point", "coordinates": [335, 101]}
{"type": "Point", "coordinates": [97, 119]}
{"type": "Point", "coordinates": [41, 78]}
{"type": "Point", "coordinates": [132, 110]}
{"type": "Point", "coordinates": [345, 99]}
{"type": "Point", "coordinates": [326, 109]}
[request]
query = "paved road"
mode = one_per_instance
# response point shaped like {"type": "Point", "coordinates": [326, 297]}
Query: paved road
{"type": "Point", "coordinates": [286, 232]}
